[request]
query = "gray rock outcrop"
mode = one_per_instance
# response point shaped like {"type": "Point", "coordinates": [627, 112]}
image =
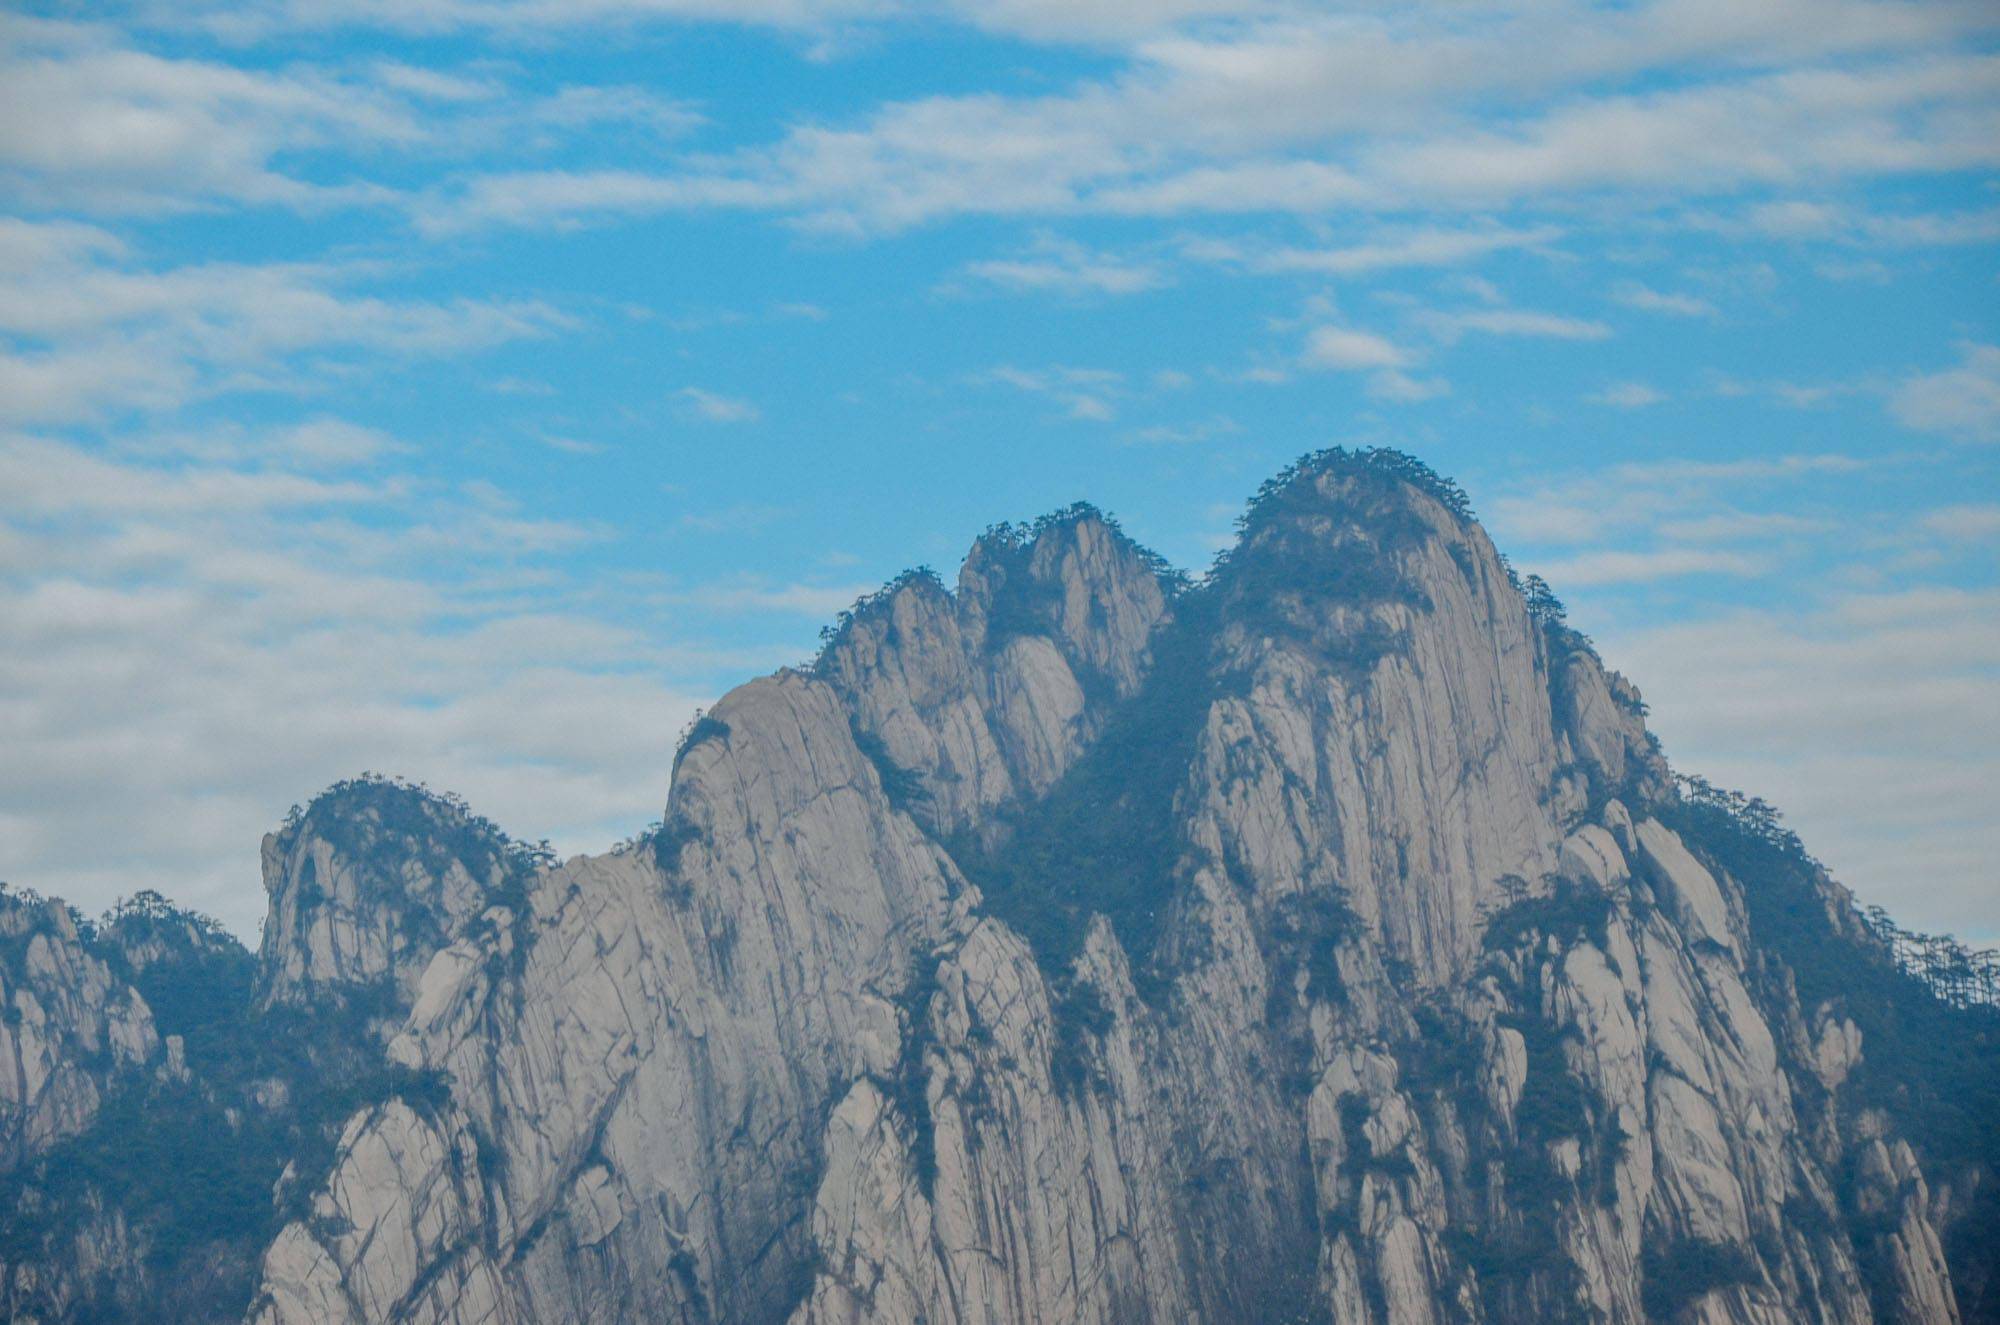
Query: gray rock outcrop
{"type": "Point", "coordinates": [1426, 1015]}
{"type": "Point", "coordinates": [1325, 940]}
{"type": "Point", "coordinates": [367, 883]}
{"type": "Point", "coordinates": [67, 1026]}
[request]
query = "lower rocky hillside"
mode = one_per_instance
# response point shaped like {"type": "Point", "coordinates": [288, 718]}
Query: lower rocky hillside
{"type": "Point", "coordinates": [1324, 940]}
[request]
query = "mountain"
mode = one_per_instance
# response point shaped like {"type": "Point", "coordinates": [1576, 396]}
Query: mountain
{"type": "Point", "coordinates": [1323, 940]}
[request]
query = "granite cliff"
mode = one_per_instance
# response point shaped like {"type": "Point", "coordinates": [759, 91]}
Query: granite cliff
{"type": "Point", "coordinates": [1322, 940]}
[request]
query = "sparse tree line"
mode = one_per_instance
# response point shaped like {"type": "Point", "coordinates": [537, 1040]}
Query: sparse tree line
{"type": "Point", "coordinates": [1954, 973]}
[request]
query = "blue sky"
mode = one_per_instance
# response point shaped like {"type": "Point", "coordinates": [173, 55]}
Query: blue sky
{"type": "Point", "coordinates": [468, 390]}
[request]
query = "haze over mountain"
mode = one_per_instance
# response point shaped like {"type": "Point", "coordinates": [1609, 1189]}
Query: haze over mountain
{"type": "Point", "coordinates": [1324, 939]}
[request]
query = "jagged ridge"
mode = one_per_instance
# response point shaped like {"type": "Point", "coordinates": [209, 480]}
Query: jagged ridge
{"type": "Point", "coordinates": [1324, 940]}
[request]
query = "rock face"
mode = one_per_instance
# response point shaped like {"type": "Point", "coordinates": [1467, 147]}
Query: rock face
{"type": "Point", "coordinates": [370, 881]}
{"type": "Point", "coordinates": [1323, 941]}
{"type": "Point", "coordinates": [67, 1025]}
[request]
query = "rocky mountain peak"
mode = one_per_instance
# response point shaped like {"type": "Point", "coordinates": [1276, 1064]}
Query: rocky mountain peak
{"type": "Point", "coordinates": [147, 933]}
{"type": "Point", "coordinates": [368, 881]}
{"type": "Point", "coordinates": [67, 1026]}
{"type": "Point", "coordinates": [976, 699]}
{"type": "Point", "coordinates": [1076, 578]}
{"type": "Point", "coordinates": [1320, 940]}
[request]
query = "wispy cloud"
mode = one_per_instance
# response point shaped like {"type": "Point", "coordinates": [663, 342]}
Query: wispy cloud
{"type": "Point", "coordinates": [1058, 266]}
{"type": "Point", "coordinates": [1962, 402]}
{"type": "Point", "coordinates": [713, 407]}
{"type": "Point", "coordinates": [571, 445]}
{"type": "Point", "coordinates": [195, 641]}
{"type": "Point", "coordinates": [1086, 394]}
{"type": "Point", "coordinates": [1970, 522]}
{"type": "Point", "coordinates": [1621, 567]}
{"type": "Point", "coordinates": [1647, 499]}
{"type": "Point", "coordinates": [87, 119]}
{"type": "Point", "coordinates": [1851, 224]}
{"type": "Point", "coordinates": [1632, 294]}
{"type": "Point", "coordinates": [735, 518]}
{"type": "Point", "coordinates": [1629, 395]}
{"type": "Point", "coordinates": [1350, 350]}
{"type": "Point", "coordinates": [266, 290]}
{"type": "Point", "coordinates": [1347, 349]}
{"type": "Point", "coordinates": [809, 600]}
{"type": "Point", "coordinates": [1871, 719]}
{"type": "Point", "coordinates": [95, 331]}
{"type": "Point", "coordinates": [1186, 434]}
{"type": "Point", "coordinates": [1385, 252]}
{"type": "Point", "coordinates": [1452, 326]}
{"type": "Point", "coordinates": [1308, 115]}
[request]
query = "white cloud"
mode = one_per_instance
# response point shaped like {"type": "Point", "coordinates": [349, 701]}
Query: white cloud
{"type": "Point", "coordinates": [713, 407]}
{"type": "Point", "coordinates": [1975, 227]}
{"type": "Point", "coordinates": [1408, 248]}
{"type": "Point", "coordinates": [89, 120]}
{"type": "Point", "coordinates": [1962, 401]}
{"type": "Point", "coordinates": [739, 518]}
{"type": "Point", "coordinates": [192, 645]}
{"type": "Point", "coordinates": [809, 600]}
{"type": "Point", "coordinates": [1971, 522]}
{"type": "Point", "coordinates": [322, 442]}
{"type": "Point", "coordinates": [90, 331]}
{"type": "Point", "coordinates": [1345, 349]}
{"type": "Point", "coordinates": [1629, 395]}
{"type": "Point", "coordinates": [571, 445]}
{"type": "Point", "coordinates": [327, 443]}
{"type": "Point", "coordinates": [1749, 467]}
{"type": "Point", "coordinates": [1798, 219]}
{"type": "Point", "coordinates": [1058, 266]}
{"type": "Point", "coordinates": [1648, 300]}
{"type": "Point", "coordinates": [1451, 326]}
{"type": "Point", "coordinates": [1625, 567]}
{"type": "Point", "coordinates": [569, 109]}
{"type": "Point", "coordinates": [1796, 395]}
{"type": "Point", "coordinates": [1679, 500]}
{"type": "Point", "coordinates": [45, 477]}
{"type": "Point", "coordinates": [1086, 394]}
{"type": "Point", "coordinates": [1404, 388]}
{"type": "Point", "coordinates": [1386, 111]}
{"type": "Point", "coordinates": [1727, 526]}
{"type": "Point", "coordinates": [563, 199]}
{"type": "Point", "coordinates": [1675, 30]}
{"type": "Point", "coordinates": [1917, 116]}
{"type": "Point", "coordinates": [1186, 434]}
{"type": "Point", "coordinates": [1348, 350]}
{"type": "Point", "coordinates": [1873, 721]}
{"type": "Point", "coordinates": [1804, 219]}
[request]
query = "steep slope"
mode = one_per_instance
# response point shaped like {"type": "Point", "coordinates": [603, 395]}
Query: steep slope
{"type": "Point", "coordinates": [368, 882]}
{"type": "Point", "coordinates": [69, 1027]}
{"type": "Point", "coordinates": [1324, 940]}
{"type": "Point", "coordinates": [1409, 1017]}
{"type": "Point", "coordinates": [642, 1062]}
{"type": "Point", "coordinates": [1328, 958]}
{"type": "Point", "coordinates": [183, 1098]}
